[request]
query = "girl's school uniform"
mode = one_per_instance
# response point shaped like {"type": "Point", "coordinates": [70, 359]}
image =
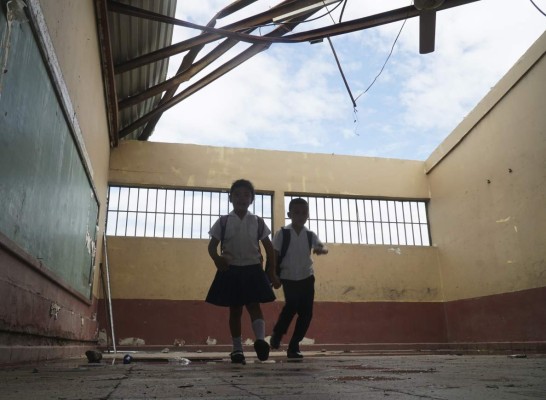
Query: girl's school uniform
{"type": "Point", "coordinates": [245, 281]}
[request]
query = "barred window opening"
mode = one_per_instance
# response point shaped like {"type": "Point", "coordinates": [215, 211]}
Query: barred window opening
{"type": "Point", "coordinates": [172, 213]}
{"type": "Point", "coordinates": [366, 221]}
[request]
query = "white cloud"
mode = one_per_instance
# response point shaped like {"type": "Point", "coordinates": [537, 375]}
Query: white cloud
{"type": "Point", "coordinates": [292, 97]}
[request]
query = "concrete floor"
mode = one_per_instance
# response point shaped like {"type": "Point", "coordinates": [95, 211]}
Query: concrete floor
{"type": "Point", "coordinates": [321, 375]}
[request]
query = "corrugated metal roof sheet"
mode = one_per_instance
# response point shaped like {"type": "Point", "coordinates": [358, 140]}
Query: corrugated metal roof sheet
{"type": "Point", "coordinates": [131, 37]}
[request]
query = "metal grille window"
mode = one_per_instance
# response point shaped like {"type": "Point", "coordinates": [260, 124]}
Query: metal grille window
{"type": "Point", "coordinates": [172, 213]}
{"type": "Point", "coordinates": [367, 221]}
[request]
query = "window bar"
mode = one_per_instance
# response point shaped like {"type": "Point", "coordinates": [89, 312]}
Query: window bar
{"type": "Point", "coordinates": [388, 220]}
{"type": "Point", "coordinates": [412, 227]}
{"type": "Point", "coordinates": [364, 221]}
{"type": "Point", "coordinates": [174, 212]}
{"type": "Point", "coordinates": [210, 212]}
{"type": "Point", "coordinates": [165, 215]}
{"type": "Point", "coordinates": [426, 225]}
{"type": "Point", "coordinates": [373, 222]}
{"type": "Point", "coordinates": [191, 225]}
{"type": "Point", "coordinates": [349, 222]}
{"type": "Point", "coordinates": [201, 217]}
{"type": "Point", "coordinates": [404, 222]}
{"type": "Point", "coordinates": [183, 211]}
{"type": "Point", "coordinates": [155, 213]}
{"type": "Point", "coordinates": [396, 221]}
{"type": "Point", "coordinates": [146, 211]}
{"type": "Point", "coordinates": [381, 221]}
{"type": "Point", "coordinates": [117, 212]}
{"type": "Point", "coordinates": [317, 217]}
{"type": "Point", "coordinates": [418, 224]}
{"type": "Point", "coordinates": [127, 211]}
{"type": "Point", "coordinates": [136, 211]}
{"type": "Point", "coordinates": [334, 221]}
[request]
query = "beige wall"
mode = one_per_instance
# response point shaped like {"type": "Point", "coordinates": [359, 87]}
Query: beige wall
{"type": "Point", "coordinates": [179, 165]}
{"type": "Point", "coordinates": [348, 273]}
{"type": "Point", "coordinates": [180, 269]}
{"type": "Point", "coordinates": [489, 223]}
{"type": "Point", "coordinates": [73, 31]}
{"type": "Point", "coordinates": [483, 280]}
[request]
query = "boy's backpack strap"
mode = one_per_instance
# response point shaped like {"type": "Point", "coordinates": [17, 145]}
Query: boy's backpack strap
{"type": "Point", "coordinates": [284, 248]}
{"type": "Point", "coordinates": [285, 244]}
{"type": "Point", "coordinates": [310, 240]}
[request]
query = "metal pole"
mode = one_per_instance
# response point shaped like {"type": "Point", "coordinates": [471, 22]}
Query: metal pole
{"type": "Point", "coordinates": [109, 293]}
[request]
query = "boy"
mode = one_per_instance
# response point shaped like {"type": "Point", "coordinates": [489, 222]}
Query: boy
{"type": "Point", "coordinates": [240, 279]}
{"type": "Point", "coordinates": [298, 281]}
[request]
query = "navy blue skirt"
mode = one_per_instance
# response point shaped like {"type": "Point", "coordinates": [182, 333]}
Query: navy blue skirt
{"type": "Point", "coordinates": [240, 285]}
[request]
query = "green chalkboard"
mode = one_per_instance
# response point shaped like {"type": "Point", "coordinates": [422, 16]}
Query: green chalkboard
{"type": "Point", "coordinates": [47, 202]}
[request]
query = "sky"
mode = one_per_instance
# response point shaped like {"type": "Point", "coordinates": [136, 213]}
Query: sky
{"type": "Point", "coordinates": [291, 97]}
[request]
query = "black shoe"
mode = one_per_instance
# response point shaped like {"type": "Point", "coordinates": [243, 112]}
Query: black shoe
{"type": "Point", "coordinates": [262, 349]}
{"type": "Point", "coordinates": [237, 357]}
{"type": "Point", "coordinates": [295, 354]}
{"type": "Point", "coordinates": [275, 341]}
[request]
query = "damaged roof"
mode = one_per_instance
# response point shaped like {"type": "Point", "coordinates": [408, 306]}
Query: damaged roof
{"type": "Point", "coordinates": [136, 45]}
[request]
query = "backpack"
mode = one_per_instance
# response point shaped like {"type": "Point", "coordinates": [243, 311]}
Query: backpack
{"type": "Point", "coordinates": [223, 223]}
{"type": "Point", "coordinates": [284, 248]}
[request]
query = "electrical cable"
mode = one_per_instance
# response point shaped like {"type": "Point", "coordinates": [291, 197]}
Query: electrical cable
{"type": "Point", "coordinates": [385, 63]}
{"type": "Point", "coordinates": [538, 8]}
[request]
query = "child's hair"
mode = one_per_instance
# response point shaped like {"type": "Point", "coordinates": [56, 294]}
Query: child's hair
{"type": "Point", "coordinates": [244, 184]}
{"type": "Point", "coordinates": [296, 201]}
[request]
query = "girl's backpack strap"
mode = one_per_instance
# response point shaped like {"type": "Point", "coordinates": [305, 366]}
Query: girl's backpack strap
{"type": "Point", "coordinates": [223, 223]}
{"type": "Point", "coordinates": [261, 227]}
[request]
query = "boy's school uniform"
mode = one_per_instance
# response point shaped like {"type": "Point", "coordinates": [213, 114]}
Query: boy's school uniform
{"type": "Point", "coordinates": [297, 263]}
{"type": "Point", "coordinates": [245, 281]}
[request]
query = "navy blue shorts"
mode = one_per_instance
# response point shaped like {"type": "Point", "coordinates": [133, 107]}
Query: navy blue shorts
{"type": "Point", "coordinates": [240, 285]}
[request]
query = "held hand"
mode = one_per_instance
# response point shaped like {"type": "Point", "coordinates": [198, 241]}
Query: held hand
{"type": "Point", "coordinates": [276, 282]}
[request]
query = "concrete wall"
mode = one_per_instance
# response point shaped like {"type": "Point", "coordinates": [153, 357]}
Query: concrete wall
{"type": "Point", "coordinates": [482, 281]}
{"type": "Point", "coordinates": [370, 293]}
{"type": "Point", "coordinates": [30, 331]}
{"type": "Point", "coordinates": [488, 213]}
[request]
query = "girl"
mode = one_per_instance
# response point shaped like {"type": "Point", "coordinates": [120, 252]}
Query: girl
{"type": "Point", "coordinates": [240, 280]}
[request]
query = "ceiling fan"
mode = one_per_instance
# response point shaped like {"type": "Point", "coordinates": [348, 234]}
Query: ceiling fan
{"type": "Point", "coordinates": [427, 23]}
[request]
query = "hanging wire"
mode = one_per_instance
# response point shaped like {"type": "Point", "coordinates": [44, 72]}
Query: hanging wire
{"type": "Point", "coordinates": [538, 8]}
{"type": "Point", "coordinates": [385, 63]}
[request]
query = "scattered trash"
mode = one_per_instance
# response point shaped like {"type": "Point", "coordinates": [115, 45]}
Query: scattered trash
{"type": "Point", "coordinates": [127, 359]}
{"type": "Point", "coordinates": [132, 342]}
{"type": "Point", "coordinates": [307, 340]}
{"type": "Point", "coordinates": [165, 350]}
{"type": "Point", "coordinates": [179, 361]}
{"type": "Point", "coordinates": [103, 338]}
{"type": "Point", "coordinates": [211, 341]}
{"type": "Point", "coordinates": [518, 356]}
{"type": "Point", "coordinates": [179, 342]}
{"type": "Point", "coordinates": [93, 356]}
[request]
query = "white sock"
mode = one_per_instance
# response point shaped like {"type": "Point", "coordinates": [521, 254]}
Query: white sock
{"type": "Point", "coordinates": [258, 326]}
{"type": "Point", "coordinates": [237, 343]}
